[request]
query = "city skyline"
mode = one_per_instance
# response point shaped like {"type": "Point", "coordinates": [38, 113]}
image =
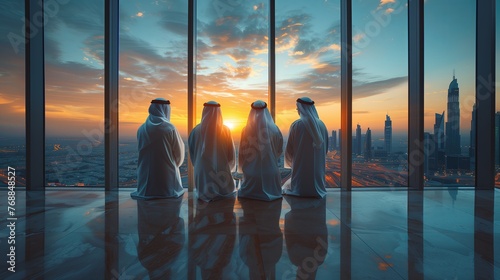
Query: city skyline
{"type": "Point", "coordinates": [233, 65]}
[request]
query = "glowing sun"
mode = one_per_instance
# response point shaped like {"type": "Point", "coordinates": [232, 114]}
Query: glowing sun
{"type": "Point", "coordinates": [229, 124]}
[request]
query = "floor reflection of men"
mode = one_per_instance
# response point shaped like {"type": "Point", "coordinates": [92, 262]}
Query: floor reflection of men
{"type": "Point", "coordinates": [306, 235]}
{"type": "Point", "coordinates": [213, 235]}
{"type": "Point", "coordinates": [161, 236]}
{"type": "Point", "coordinates": [261, 240]}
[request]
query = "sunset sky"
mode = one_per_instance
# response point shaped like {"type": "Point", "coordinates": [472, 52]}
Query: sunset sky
{"type": "Point", "coordinates": [232, 61]}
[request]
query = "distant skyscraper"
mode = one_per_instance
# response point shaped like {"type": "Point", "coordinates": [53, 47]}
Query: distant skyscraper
{"type": "Point", "coordinates": [439, 131]}
{"type": "Point", "coordinates": [388, 134]}
{"type": "Point", "coordinates": [453, 120]}
{"type": "Point", "coordinates": [472, 148]}
{"type": "Point", "coordinates": [368, 144]}
{"type": "Point", "coordinates": [437, 152]}
{"type": "Point", "coordinates": [334, 140]}
{"type": "Point", "coordinates": [358, 140]}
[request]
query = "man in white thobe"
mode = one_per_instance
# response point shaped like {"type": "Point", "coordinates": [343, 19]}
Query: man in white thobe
{"type": "Point", "coordinates": [260, 148]}
{"type": "Point", "coordinates": [212, 153]}
{"type": "Point", "coordinates": [161, 152]}
{"type": "Point", "coordinates": [306, 152]}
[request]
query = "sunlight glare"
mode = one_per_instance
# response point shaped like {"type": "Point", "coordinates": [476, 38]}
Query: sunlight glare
{"type": "Point", "coordinates": [230, 124]}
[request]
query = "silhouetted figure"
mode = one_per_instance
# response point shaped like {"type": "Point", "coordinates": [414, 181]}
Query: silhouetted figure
{"type": "Point", "coordinates": [261, 240]}
{"type": "Point", "coordinates": [306, 235]}
{"type": "Point", "coordinates": [161, 152]}
{"type": "Point", "coordinates": [161, 236]}
{"type": "Point", "coordinates": [260, 148]}
{"type": "Point", "coordinates": [213, 235]}
{"type": "Point", "coordinates": [306, 152]}
{"type": "Point", "coordinates": [212, 153]}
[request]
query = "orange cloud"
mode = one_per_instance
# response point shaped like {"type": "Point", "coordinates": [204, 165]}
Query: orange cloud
{"type": "Point", "coordinates": [385, 2]}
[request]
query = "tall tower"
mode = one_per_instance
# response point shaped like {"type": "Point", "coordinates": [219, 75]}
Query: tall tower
{"type": "Point", "coordinates": [439, 131]}
{"type": "Point", "coordinates": [368, 145]}
{"type": "Point", "coordinates": [358, 140]}
{"type": "Point", "coordinates": [388, 134]}
{"type": "Point", "coordinates": [453, 120]}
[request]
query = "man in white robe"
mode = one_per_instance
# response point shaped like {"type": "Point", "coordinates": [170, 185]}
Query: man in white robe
{"type": "Point", "coordinates": [161, 152]}
{"type": "Point", "coordinates": [306, 152]}
{"type": "Point", "coordinates": [260, 148]}
{"type": "Point", "coordinates": [212, 153]}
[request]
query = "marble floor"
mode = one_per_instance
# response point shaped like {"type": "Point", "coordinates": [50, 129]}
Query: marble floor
{"type": "Point", "coordinates": [365, 234]}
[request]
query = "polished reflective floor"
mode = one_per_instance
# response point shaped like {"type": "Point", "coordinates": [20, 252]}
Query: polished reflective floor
{"type": "Point", "coordinates": [366, 234]}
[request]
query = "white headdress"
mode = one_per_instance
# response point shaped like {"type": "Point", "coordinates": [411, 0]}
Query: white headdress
{"type": "Point", "coordinates": [159, 114]}
{"type": "Point", "coordinates": [309, 116]}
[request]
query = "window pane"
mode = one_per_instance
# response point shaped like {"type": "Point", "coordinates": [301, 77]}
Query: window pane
{"type": "Point", "coordinates": [380, 94]}
{"type": "Point", "coordinates": [74, 87]}
{"type": "Point", "coordinates": [308, 64]}
{"type": "Point", "coordinates": [232, 57]}
{"type": "Point", "coordinates": [153, 64]}
{"type": "Point", "coordinates": [449, 92]}
{"type": "Point", "coordinates": [12, 100]}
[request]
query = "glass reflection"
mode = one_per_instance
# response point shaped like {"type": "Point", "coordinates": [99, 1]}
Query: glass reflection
{"type": "Point", "coordinates": [213, 233]}
{"type": "Point", "coordinates": [261, 240]}
{"type": "Point", "coordinates": [484, 260]}
{"type": "Point", "coordinates": [306, 235]}
{"type": "Point", "coordinates": [161, 236]}
{"type": "Point", "coordinates": [35, 234]}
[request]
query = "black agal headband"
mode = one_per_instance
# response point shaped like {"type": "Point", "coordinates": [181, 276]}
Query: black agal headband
{"type": "Point", "coordinates": [259, 108]}
{"type": "Point", "coordinates": [160, 101]}
{"type": "Point", "coordinates": [211, 105]}
{"type": "Point", "coordinates": [305, 102]}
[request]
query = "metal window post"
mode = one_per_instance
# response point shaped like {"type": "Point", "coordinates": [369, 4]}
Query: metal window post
{"type": "Point", "coordinates": [485, 94]}
{"type": "Point", "coordinates": [346, 94]}
{"type": "Point", "coordinates": [416, 94]}
{"type": "Point", "coordinates": [272, 59]}
{"type": "Point", "coordinates": [191, 81]}
{"type": "Point", "coordinates": [35, 96]}
{"type": "Point", "coordinates": [111, 27]}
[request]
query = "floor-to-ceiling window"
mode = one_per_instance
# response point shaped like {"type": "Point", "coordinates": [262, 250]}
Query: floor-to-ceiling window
{"type": "Point", "coordinates": [449, 92]}
{"type": "Point", "coordinates": [380, 93]}
{"type": "Point", "coordinates": [74, 87]}
{"type": "Point", "coordinates": [231, 58]}
{"type": "Point", "coordinates": [12, 98]}
{"type": "Point", "coordinates": [153, 64]}
{"type": "Point", "coordinates": [232, 67]}
{"type": "Point", "coordinates": [308, 64]}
